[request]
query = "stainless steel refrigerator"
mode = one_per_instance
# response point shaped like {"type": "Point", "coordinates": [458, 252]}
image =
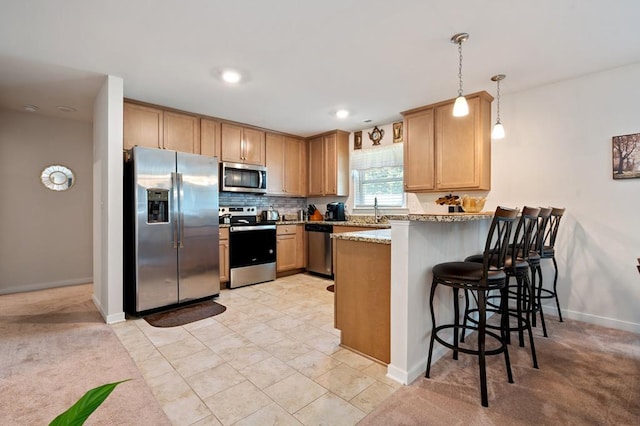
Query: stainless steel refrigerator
{"type": "Point", "coordinates": [171, 229]}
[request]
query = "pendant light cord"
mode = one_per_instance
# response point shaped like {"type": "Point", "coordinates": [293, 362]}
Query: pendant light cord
{"type": "Point", "coordinates": [498, 109]}
{"type": "Point", "coordinates": [460, 68]}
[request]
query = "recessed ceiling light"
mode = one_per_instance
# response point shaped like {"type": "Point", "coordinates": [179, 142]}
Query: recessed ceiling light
{"type": "Point", "coordinates": [65, 108]}
{"type": "Point", "coordinates": [342, 113]}
{"type": "Point", "coordinates": [231, 76]}
{"type": "Point", "coordinates": [30, 108]}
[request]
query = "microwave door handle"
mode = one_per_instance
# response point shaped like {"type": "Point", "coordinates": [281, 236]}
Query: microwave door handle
{"type": "Point", "coordinates": [260, 182]}
{"type": "Point", "coordinates": [174, 208]}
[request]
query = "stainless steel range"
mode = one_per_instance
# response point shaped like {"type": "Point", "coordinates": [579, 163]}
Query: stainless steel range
{"type": "Point", "coordinates": [252, 246]}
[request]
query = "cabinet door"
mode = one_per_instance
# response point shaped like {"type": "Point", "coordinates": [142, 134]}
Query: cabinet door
{"type": "Point", "coordinates": [231, 142]}
{"type": "Point", "coordinates": [142, 126]}
{"type": "Point", "coordinates": [253, 146]}
{"type": "Point", "coordinates": [181, 132]}
{"type": "Point", "coordinates": [275, 145]}
{"type": "Point", "coordinates": [458, 148]}
{"type": "Point", "coordinates": [419, 151]}
{"type": "Point", "coordinates": [330, 164]}
{"type": "Point", "coordinates": [301, 247]}
{"type": "Point", "coordinates": [286, 253]}
{"type": "Point", "coordinates": [224, 260]}
{"type": "Point", "coordinates": [210, 138]}
{"type": "Point", "coordinates": [294, 167]}
{"type": "Point", "coordinates": [316, 169]}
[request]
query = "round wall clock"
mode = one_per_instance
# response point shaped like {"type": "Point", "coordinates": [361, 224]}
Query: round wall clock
{"type": "Point", "coordinates": [376, 135]}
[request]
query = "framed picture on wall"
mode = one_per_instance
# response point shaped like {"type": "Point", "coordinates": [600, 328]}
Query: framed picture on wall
{"type": "Point", "coordinates": [626, 156]}
{"type": "Point", "coordinates": [357, 140]}
{"type": "Point", "coordinates": [397, 132]}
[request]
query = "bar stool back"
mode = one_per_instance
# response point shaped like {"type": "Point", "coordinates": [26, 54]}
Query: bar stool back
{"type": "Point", "coordinates": [548, 251]}
{"type": "Point", "coordinates": [479, 278]}
{"type": "Point", "coordinates": [534, 264]}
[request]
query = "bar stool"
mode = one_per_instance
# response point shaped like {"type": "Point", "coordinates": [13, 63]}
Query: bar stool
{"type": "Point", "coordinates": [535, 265]}
{"type": "Point", "coordinates": [522, 293]}
{"type": "Point", "coordinates": [478, 278]}
{"type": "Point", "coordinates": [548, 251]}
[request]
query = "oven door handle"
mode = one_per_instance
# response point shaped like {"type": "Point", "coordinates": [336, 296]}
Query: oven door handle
{"type": "Point", "coordinates": [250, 228]}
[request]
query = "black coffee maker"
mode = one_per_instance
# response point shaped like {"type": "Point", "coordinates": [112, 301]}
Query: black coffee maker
{"type": "Point", "coordinates": [335, 212]}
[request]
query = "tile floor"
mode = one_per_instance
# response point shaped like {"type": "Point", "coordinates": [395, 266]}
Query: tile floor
{"type": "Point", "coordinates": [273, 357]}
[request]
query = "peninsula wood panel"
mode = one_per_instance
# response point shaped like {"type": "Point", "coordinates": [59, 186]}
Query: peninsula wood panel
{"type": "Point", "coordinates": [363, 297]}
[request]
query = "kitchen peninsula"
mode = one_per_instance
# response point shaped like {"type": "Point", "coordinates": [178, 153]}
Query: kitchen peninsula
{"type": "Point", "coordinates": [418, 242]}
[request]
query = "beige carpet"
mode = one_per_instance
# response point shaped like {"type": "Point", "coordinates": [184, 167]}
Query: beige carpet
{"type": "Point", "coordinates": [54, 346]}
{"type": "Point", "coordinates": [588, 375]}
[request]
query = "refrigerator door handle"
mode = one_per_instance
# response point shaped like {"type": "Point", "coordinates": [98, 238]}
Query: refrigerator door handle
{"type": "Point", "coordinates": [174, 208]}
{"type": "Point", "coordinates": [181, 212]}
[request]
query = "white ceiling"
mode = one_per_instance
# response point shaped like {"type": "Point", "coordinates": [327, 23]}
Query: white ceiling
{"type": "Point", "coordinates": [303, 59]}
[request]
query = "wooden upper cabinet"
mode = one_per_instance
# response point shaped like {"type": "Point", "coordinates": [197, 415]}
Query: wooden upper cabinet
{"type": "Point", "coordinates": [295, 167]}
{"type": "Point", "coordinates": [243, 144]}
{"type": "Point", "coordinates": [316, 167]}
{"type": "Point", "coordinates": [463, 155]}
{"type": "Point", "coordinates": [286, 165]}
{"type": "Point", "coordinates": [447, 153]}
{"type": "Point", "coordinates": [275, 164]}
{"type": "Point", "coordinates": [181, 132]}
{"type": "Point", "coordinates": [419, 151]}
{"type": "Point", "coordinates": [329, 164]}
{"type": "Point", "coordinates": [142, 126]}
{"type": "Point", "coordinates": [210, 138]}
{"type": "Point", "coordinates": [158, 128]}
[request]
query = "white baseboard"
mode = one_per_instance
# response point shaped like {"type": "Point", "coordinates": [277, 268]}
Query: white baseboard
{"type": "Point", "coordinates": [44, 286]}
{"type": "Point", "coordinates": [594, 319]}
{"type": "Point", "coordinates": [109, 319]}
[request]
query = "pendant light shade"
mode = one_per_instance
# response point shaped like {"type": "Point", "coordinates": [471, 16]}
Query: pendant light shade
{"type": "Point", "coordinates": [498, 131]}
{"type": "Point", "coordinates": [460, 107]}
{"type": "Point", "coordinates": [498, 128]}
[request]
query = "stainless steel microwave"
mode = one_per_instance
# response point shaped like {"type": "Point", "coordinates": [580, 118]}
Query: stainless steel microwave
{"type": "Point", "coordinates": [237, 177]}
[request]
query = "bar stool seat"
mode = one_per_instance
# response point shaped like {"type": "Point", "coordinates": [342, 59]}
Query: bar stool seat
{"type": "Point", "coordinates": [479, 279]}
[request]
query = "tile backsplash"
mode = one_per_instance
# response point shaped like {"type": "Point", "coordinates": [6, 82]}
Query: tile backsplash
{"type": "Point", "coordinates": [284, 205]}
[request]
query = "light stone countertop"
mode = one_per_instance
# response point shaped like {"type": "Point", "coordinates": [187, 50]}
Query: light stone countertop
{"type": "Point", "coordinates": [378, 236]}
{"type": "Point", "coordinates": [443, 217]}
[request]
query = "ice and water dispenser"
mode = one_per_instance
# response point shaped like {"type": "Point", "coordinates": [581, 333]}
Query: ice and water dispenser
{"type": "Point", "coordinates": [157, 206]}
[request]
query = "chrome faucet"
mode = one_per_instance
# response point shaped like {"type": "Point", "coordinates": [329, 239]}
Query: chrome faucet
{"type": "Point", "coordinates": [376, 210]}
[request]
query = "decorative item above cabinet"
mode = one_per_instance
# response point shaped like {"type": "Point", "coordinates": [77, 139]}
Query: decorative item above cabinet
{"type": "Point", "coordinates": [443, 152]}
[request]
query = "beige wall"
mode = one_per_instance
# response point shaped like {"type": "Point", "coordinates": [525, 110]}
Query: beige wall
{"type": "Point", "coordinates": [46, 236]}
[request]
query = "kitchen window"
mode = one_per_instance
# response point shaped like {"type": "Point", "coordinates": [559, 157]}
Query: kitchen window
{"type": "Point", "coordinates": [377, 173]}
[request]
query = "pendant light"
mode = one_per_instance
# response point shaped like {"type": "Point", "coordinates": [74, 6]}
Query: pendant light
{"type": "Point", "coordinates": [460, 107]}
{"type": "Point", "coordinates": [498, 129]}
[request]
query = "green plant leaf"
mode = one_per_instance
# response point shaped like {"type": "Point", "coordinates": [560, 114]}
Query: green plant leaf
{"type": "Point", "coordinates": [78, 413]}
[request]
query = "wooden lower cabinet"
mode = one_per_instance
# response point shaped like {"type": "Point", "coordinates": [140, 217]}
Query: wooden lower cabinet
{"type": "Point", "coordinates": [224, 254]}
{"type": "Point", "coordinates": [362, 295]}
{"type": "Point", "coordinates": [290, 251]}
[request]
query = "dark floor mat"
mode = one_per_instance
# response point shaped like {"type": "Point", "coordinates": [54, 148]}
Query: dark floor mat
{"type": "Point", "coordinates": [331, 288]}
{"type": "Point", "coordinates": [185, 315]}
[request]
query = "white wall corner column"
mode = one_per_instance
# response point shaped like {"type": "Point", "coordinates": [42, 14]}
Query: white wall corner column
{"type": "Point", "coordinates": [416, 247]}
{"type": "Point", "coordinates": [108, 200]}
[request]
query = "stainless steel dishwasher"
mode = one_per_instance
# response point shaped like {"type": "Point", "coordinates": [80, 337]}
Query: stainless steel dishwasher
{"type": "Point", "coordinates": [319, 259]}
